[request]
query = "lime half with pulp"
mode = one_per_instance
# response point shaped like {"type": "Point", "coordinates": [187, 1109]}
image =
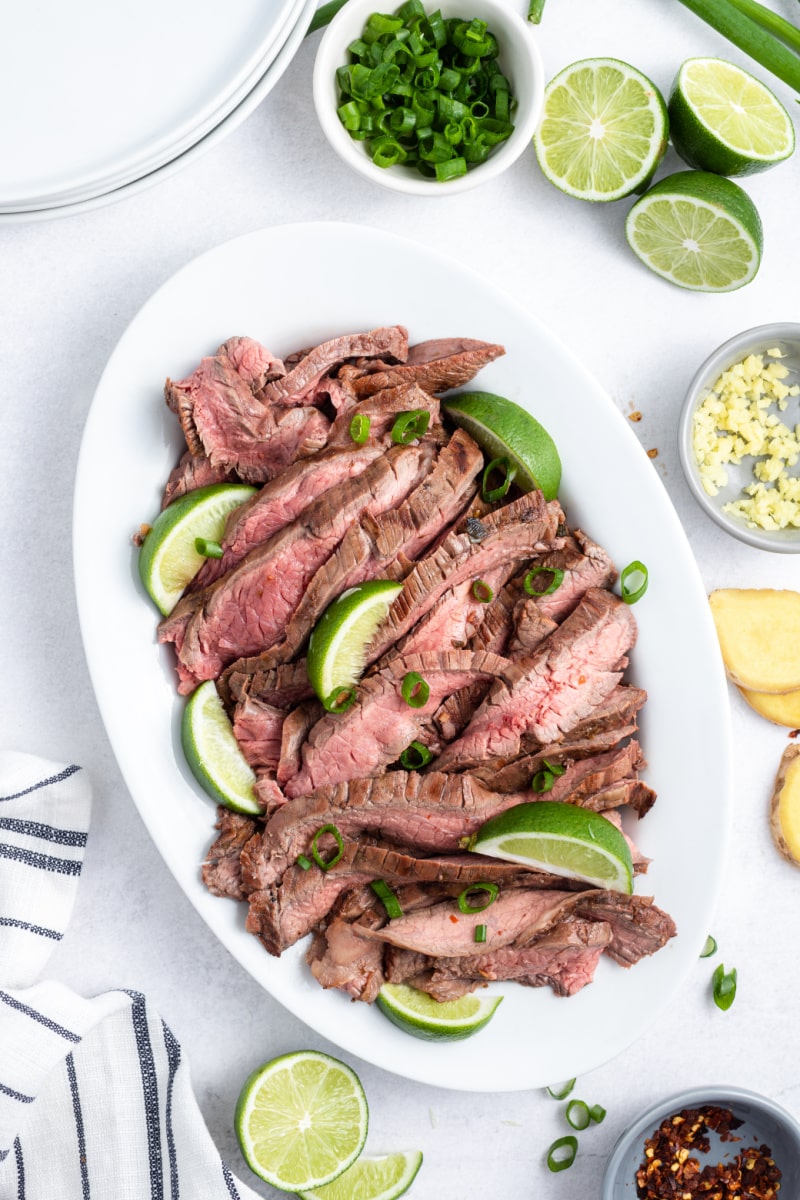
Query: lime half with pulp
{"type": "Point", "coordinates": [213, 753]}
{"type": "Point", "coordinates": [503, 429]}
{"type": "Point", "coordinates": [563, 839]}
{"type": "Point", "coordinates": [383, 1178]}
{"type": "Point", "coordinates": [603, 131]}
{"type": "Point", "coordinates": [417, 1013]}
{"type": "Point", "coordinates": [337, 649]}
{"type": "Point", "coordinates": [301, 1120]}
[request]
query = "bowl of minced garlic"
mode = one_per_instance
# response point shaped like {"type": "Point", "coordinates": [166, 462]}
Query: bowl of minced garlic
{"type": "Point", "coordinates": [739, 437]}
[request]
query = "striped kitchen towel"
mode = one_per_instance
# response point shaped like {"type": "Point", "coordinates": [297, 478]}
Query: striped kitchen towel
{"type": "Point", "coordinates": [96, 1100]}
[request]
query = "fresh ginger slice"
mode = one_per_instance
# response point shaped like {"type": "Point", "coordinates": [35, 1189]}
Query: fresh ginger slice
{"type": "Point", "coordinates": [759, 635]}
{"type": "Point", "coordinates": [785, 806]}
{"type": "Point", "coordinates": [782, 708]}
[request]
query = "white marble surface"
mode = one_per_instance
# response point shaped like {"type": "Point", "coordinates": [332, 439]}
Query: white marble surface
{"type": "Point", "coordinates": [69, 287]}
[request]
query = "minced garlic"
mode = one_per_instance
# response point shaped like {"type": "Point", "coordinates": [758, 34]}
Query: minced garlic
{"type": "Point", "coordinates": [737, 420]}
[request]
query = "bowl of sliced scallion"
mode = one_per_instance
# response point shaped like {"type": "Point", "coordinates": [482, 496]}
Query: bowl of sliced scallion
{"type": "Point", "coordinates": [429, 100]}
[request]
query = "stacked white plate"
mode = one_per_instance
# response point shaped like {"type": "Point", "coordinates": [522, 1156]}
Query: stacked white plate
{"type": "Point", "coordinates": [104, 99]}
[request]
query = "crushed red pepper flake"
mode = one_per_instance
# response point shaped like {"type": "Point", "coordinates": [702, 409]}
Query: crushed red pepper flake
{"type": "Point", "coordinates": [670, 1171]}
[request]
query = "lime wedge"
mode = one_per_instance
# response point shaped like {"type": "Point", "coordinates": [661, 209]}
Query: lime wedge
{"type": "Point", "coordinates": [723, 120]}
{"type": "Point", "coordinates": [383, 1178]}
{"type": "Point", "coordinates": [213, 753]}
{"type": "Point", "coordinates": [603, 130]}
{"type": "Point", "coordinates": [168, 559]}
{"type": "Point", "coordinates": [697, 230]}
{"type": "Point", "coordinates": [503, 429]}
{"type": "Point", "coordinates": [561, 838]}
{"type": "Point", "coordinates": [419, 1014]}
{"type": "Point", "coordinates": [337, 649]}
{"type": "Point", "coordinates": [301, 1120]}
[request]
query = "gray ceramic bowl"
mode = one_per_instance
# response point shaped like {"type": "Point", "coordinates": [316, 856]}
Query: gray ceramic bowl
{"type": "Point", "coordinates": [764, 1123]}
{"type": "Point", "coordinates": [753, 341]}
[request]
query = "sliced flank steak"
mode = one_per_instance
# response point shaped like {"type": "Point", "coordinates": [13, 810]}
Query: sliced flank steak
{"type": "Point", "coordinates": [192, 473]}
{"type": "Point", "coordinates": [222, 869]}
{"type": "Point", "coordinates": [299, 385]}
{"type": "Point", "coordinates": [437, 366]}
{"type": "Point", "coordinates": [381, 411]}
{"type": "Point", "coordinates": [639, 928]}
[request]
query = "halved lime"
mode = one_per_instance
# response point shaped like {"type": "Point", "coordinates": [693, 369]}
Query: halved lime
{"type": "Point", "coordinates": [698, 230]}
{"type": "Point", "coordinates": [337, 649]}
{"type": "Point", "coordinates": [722, 119]}
{"type": "Point", "coordinates": [564, 839]}
{"type": "Point", "coordinates": [213, 753]}
{"type": "Point", "coordinates": [383, 1178]}
{"type": "Point", "coordinates": [417, 1013]}
{"type": "Point", "coordinates": [503, 429]}
{"type": "Point", "coordinates": [168, 559]}
{"type": "Point", "coordinates": [603, 131]}
{"type": "Point", "coordinates": [301, 1120]}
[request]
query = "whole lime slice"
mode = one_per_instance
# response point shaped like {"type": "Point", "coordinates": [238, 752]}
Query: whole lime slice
{"type": "Point", "coordinates": [564, 839]}
{"type": "Point", "coordinates": [383, 1178]}
{"type": "Point", "coordinates": [337, 649]}
{"type": "Point", "coordinates": [168, 558]}
{"type": "Point", "coordinates": [603, 131]}
{"type": "Point", "coordinates": [417, 1013]}
{"type": "Point", "coordinates": [213, 753]}
{"type": "Point", "coordinates": [503, 429]}
{"type": "Point", "coordinates": [698, 230]}
{"type": "Point", "coordinates": [301, 1120]}
{"type": "Point", "coordinates": [722, 119]}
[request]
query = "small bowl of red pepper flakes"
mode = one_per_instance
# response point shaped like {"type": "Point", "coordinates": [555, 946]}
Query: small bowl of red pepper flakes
{"type": "Point", "coordinates": [717, 1143]}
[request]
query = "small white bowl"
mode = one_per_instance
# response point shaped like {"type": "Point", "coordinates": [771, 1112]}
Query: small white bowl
{"type": "Point", "coordinates": [518, 58]}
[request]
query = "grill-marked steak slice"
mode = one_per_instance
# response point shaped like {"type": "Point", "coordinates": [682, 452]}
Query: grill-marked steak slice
{"type": "Point", "coordinates": [298, 386]}
{"type": "Point", "coordinates": [437, 366]}
{"type": "Point", "coordinates": [382, 410]}
{"type": "Point", "coordinates": [284, 686]}
{"type": "Point", "coordinates": [192, 473]}
{"type": "Point", "coordinates": [222, 870]}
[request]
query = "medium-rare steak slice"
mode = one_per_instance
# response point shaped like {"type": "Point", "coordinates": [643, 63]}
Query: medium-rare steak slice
{"type": "Point", "coordinates": [222, 870]}
{"type": "Point", "coordinates": [258, 728]}
{"type": "Point", "coordinates": [246, 611]}
{"type": "Point", "coordinates": [298, 386]}
{"type": "Point", "coordinates": [639, 928]}
{"type": "Point", "coordinates": [284, 686]}
{"type": "Point", "coordinates": [256, 365]}
{"type": "Point", "coordinates": [382, 410]}
{"type": "Point", "coordinates": [192, 473]}
{"type": "Point", "coordinates": [295, 730]}
{"type": "Point", "coordinates": [437, 366]}
{"type": "Point", "coordinates": [570, 673]}
{"type": "Point", "coordinates": [453, 619]}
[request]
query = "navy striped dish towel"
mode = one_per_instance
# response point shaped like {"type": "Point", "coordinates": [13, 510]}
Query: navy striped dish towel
{"type": "Point", "coordinates": [95, 1097]}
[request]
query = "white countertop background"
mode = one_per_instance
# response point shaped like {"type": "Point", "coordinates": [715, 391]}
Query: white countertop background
{"type": "Point", "coordinates": [68, 289]}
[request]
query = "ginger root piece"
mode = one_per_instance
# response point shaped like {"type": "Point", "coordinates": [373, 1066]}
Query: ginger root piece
{"type": "Point", "coordinates": [782, 708]}
{"type": "Point", "coordinates": [759, 636]}
{"type": "Point", "coordinates": [784, 811]}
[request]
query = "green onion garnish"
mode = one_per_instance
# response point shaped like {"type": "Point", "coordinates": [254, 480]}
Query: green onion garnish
{"type": "Point", "coordinates": [633, 582]}
{"type": "Point", "coordinates": [390, 901]}
{"type": "Point", "coordinates": [480, 933]}
{"type": "Point", "coordinates": [410, 425]}
{"type": "Point", "coordinates": [724, 987]}
{"type": "Point", "coordinates": [544, 779]}
{"type": "Point", "coordinates": [340, 700]}
{"type": "Point", "coordinates": [359, 428]}
{"type": "Point", "coordinates": [415, 690]}
{"type": "Point", "coordinates": [561, 1154]}
{"type": "Point", "coordinates": [709, 948]}
{"type": "Point", "coordinates": [577, 1114]}
{"type": "Point", "coordinates": [415, 756]}
{"type": "Point", "coordinates": [482, 592]}
{"type": "Point", "coordinates": [207, 548]}
{"type": "Point", "coordinates": [554, 584]}
{"type": "Point", "coordinates": [535, 10]}
{"type": "Point", "coordinates": [563, 1090]}
{"type": "Point", "coordinates": [303, 862]}
{"type": "Point", "coordinates": [507, 472]}
{"type": "Point", "coordinates": [327, 863]}
{"type": "Point", "coordinates": [597, 1113]}
{"type": "Point", "coordinates": [491, 891]}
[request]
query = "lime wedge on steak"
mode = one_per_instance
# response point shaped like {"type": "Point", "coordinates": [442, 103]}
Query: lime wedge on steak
{"type": "Point", "coordinates": [340, 639]}
{"type": "Point", "coordinates": [213, 753]}
{"type": "Point", "coordinates": [503, 429]}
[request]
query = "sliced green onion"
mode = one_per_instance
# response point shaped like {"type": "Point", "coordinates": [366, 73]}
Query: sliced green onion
{"type": "Point", "coordinates": [410, 425]}
{"type": "Point", "coordinates": [633, 581]}
{"type": "Point", "coordinates": [415, 756]}
{"type": "Point", "coordinates": [303, 862]}
{"type": "Point", "coordinates": [491, 889]}
{"type": "Point", "coordinates": [452, 169]}
{"type": "Point", "coordinates": [561, 1154]}
{"type": "Point", "coordinates": [709, 948]}
{"type": "Point", "coordinates": [563, 1090]}
{"type": "Point", "coordinates": [327, 863]}
{"type": "Point", "coordinates": [553, 586]}
{"type": "Point", "coordinates": [359, 427]}
{"type": "Point", "coordinates": [207, 548]}
{"type": "Point", "coordinates": [507, 470]}
{"type": "Point", "coordinates": [577, 1114]}
{"type": "Point", "coordinates": [724, 987]}
{"type": "Point", "coordinates": [480, 933]}
{"type": "Point", "coordinates": [415, 690]}
{"type": "Point", "coordinates": [544, 779]}
{"type": "Point", "coordinates": [340, 700]}
{"type": "Point", "coordinates": [597, 1113]}
{"type": "Point", "coordinates": [535, 10]}
{"type": "Point", "coordinates": [390, 901]}
{"type": "Point", "coordinates": [482, 592]}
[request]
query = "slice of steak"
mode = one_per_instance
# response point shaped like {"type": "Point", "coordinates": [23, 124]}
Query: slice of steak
{"type": "Point", "coordinates": [453, 619]}
{"type": "Point", "coordinates": [382, 410]}
{"type": "Point", "coordinates": [192, 473]}
{"type": "Point", "coordinates": [285, 686]}
{"type": "Point", "coordinates": [267, 791]}
{"type": "Point", "coordinates": [639, 928]}
{"type": "Point", "coordinates": [516, 775]}
{"type": "Point", "coordinates": [381, 724]}
{"type": "Point", "coordinates": [437, 366]}
{"type": "Point", "coordinates": [258, 728]}
{"type": "Point", "coordinates": [256, 365]}
{"type": "Point", "coordinates": [584, 565]}
{"type": "Point", "coordinates": [585, 776]}
{"type": "Point", "coordinates": [559, 685]}
{"type": "Point", "coordinates": [297, 387]}
{"type": "Point", "coordinates": [279, 502]}
{"type": "Point", "coordinates": [246, 611]}
{"type": "Point", "coordinates": [222, 871]}
{"type": "Point", "coordinates": [340, 958]}
{"type": "Point", "coordinates": [296, 727]}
